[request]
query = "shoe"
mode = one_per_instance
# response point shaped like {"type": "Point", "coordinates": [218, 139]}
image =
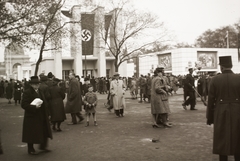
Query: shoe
{"type": "Point", "coordinates": [95, 123]}
{"type": "Point", "coordinates": [32, 153]}
{"type": "Point", "coordinates": [156, 126]}
{"type": "Point", "coordinates": [184, 106]}
{"type": "Point", "coordinates": [167, 125]}
{"type": "Point", "coordinates": [71, 123]}
{"type": "Point", "coordinates": [87, 124]}
{"type": "Point", "coordinates": [58, 129]}
{"type": "Point", "coordinates": [139, 101]}
{"type": "Point", "coordinates": [109, 109]}
{"type": "Point", "coordinates": [45, 150]}
{"type": "Point", "coordinates": [193, 109]}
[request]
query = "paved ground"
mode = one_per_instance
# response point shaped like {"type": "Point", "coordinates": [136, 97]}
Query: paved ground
{"type": "Point", "coordinates": [117, 139]}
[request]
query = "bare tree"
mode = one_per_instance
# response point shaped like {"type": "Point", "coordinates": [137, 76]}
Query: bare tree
{"type": "Point", "coordinates": [130, 31]}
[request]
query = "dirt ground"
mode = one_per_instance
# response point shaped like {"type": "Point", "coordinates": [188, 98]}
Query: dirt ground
{"type": "Point", "coordinates": [117, 139]}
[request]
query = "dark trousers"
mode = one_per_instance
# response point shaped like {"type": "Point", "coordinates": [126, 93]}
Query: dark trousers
{"type": "Point", "coordinates": [191, 100]}
{"type": "Point", "coordinates": [74, 117]}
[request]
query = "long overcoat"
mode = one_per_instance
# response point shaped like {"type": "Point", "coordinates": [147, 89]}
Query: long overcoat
{"type": "Point", "coordinates": [17, 91]}
{"type": "Point", "coordinates": [74, 98]}
{"type": "Point", "coordinates": [57, 111]}
{"type": "Point", "coordinates": [223, 111]}
{"type": "Point", "coordinates": [159, 105]}
{"type": "Point", "coordinates": [35, 121]}
{"type": "Point", "coordinates": [117, 91]}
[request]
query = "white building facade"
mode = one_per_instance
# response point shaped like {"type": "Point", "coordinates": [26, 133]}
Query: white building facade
{"type": "Point", "coordinates": [177, 61]}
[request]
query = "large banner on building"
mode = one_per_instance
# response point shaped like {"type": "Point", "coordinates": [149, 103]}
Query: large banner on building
{"type": "Point", "coordinates": [107, 23]}
{"type": "Point", "coordinates": [87, 21]}
{"type": "Point", "coordinates": [207, 59]}
{"type": "Point", "coordinates": [165, 60]}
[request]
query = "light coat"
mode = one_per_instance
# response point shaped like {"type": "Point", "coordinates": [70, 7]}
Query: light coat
{"type": "Point", "coordinates": [117, 90]}
{"type": "Point", "coordinates": [158, 106]}
{"type": "Point", "coordinates": [223, 111]}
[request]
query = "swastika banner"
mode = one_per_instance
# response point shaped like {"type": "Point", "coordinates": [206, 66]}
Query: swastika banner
{"type": "Point", "coordinates": [87, 21]}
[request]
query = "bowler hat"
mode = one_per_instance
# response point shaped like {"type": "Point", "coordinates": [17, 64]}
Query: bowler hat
{"type": "Point", "coordinates": [225, 61]}
{"type": "Point", "coordinates": [116, 74]}
{"type": "Point", "coordinates": [34, 80]}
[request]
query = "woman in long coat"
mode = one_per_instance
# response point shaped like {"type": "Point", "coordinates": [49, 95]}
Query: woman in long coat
{"type": "Point", "coordinates": [57, 111]}
{"type": "Point", "coordinates": [36, 128]}
{"type": "Point", "coordinates": [117, 90]}
{"type": "Point", "coordinates": [159, 99]}
{"type": "Point", "coordinates": [9, 92]}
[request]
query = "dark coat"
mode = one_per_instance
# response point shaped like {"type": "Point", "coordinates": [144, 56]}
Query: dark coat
{"type": "Point", "coordinates": [189, 83]}
{"type": "Point", "coordinates": [9, 91]}
{"type": "Point", "coordinates": [35, 121]}
{"type": "Point", "coordinates": [223, 111]}
{"type": "Point", "coordinates": [57, 111]}
{"type": "Point", "coordinates": [17, 91]}
{"type": "Point", "coordinates": [74, 98]}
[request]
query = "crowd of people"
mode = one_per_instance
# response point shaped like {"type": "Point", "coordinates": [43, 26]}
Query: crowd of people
{"type": "Point", "coordinates": [42, 100]}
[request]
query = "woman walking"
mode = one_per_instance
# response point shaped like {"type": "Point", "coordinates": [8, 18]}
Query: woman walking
{"type": "Point", "coordinates": [159, 99]}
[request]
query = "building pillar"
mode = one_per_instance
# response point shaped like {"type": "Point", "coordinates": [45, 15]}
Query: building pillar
{"type": "Point", "coordinates": [99, 49]}
{"type": "Point", "coordinates": [76, 40]}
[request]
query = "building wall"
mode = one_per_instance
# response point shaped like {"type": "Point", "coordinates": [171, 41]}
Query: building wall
{"type": "Point", "coordinates": [183, 58]}
{"type": "Point", "coordinates": [177, 61]}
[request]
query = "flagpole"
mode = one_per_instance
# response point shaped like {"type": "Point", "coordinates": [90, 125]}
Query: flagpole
{"type": "Point", "coordinates": [227, 40]}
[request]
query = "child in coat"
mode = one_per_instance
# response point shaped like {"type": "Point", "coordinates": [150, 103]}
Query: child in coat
{"type": "Point", "coordinates": [90, 102]}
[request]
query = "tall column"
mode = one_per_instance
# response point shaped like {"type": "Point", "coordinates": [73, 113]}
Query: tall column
{"type": "Point", "coordinates": [57, 54]}
{"type": "Point", "coordinates": [99, 49]}
{"type": "Point", "coordinates": [76, 40]}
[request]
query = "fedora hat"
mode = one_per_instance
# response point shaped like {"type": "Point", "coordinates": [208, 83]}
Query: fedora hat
{"type": "Point", "coordinates": [116, 74]}
{"type": "Point", "coordinates": [34, 80]}
{"type": "Point", "coordinates": [225, 61]}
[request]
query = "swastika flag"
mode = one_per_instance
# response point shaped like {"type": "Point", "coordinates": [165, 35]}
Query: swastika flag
{"type": "Point", "coordinates": [87, 21]}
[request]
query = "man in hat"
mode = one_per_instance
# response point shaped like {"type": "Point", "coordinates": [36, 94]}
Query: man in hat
{"type": "Point", "coordinates": [223, 110]}
{"type": "Point", "coordinates": [117, 90]}
{"type": "Point", "coordinates": [36, 127]}
{"type": "Point", "coordinates": [189, 91]}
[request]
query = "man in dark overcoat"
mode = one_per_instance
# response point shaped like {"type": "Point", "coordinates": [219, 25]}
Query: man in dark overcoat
{"type": "Point", "coordinates": [36, 128]}
{"type": "Point", "coordinates": [223, 111]}
{"type": "Point", "coordinates": [189, 91]}
{"type": "Point", "coordinates": [74, 100]}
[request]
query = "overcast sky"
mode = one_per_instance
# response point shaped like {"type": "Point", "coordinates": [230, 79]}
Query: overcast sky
{"type": "Point", "coordinates": [187, 19]}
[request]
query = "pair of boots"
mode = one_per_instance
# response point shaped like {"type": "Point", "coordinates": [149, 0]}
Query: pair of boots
{"type": "Point", "coordinates": [119, 113]}
{"type": "Point", "coordinates": [95, 123]}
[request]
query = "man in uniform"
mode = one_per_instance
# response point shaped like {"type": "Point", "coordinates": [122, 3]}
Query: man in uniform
{"type": "Point", "coordinates": [223, 111]}
{"type": "Point", "coordinates": [189, 91]}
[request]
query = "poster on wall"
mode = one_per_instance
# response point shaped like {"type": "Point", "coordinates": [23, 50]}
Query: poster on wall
{"type": "Point", "coordinates": [165, 60]}
{"type": "Point", "coordinates": [207, 60]}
